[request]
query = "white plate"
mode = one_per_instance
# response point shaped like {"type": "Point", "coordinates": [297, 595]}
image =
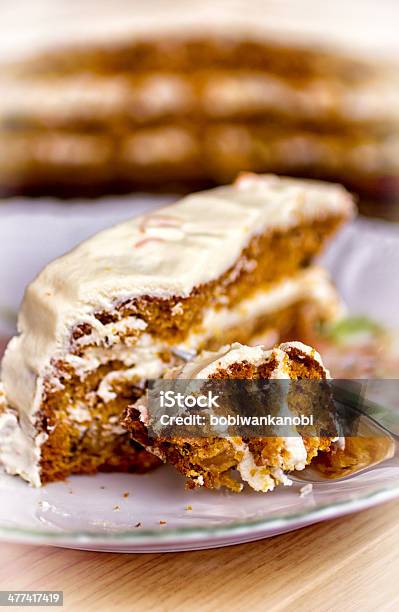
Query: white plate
{"type": "Point", "coordinates": [92, 512]}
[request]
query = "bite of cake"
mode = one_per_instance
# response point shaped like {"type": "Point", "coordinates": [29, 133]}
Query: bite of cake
{"type": "Point", "coordinates": [261, 461]}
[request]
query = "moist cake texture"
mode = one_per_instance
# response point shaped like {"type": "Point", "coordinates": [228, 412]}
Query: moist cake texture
{"type": "Point", "coordinates": [225, 264]}
{"type": "Point", "coordinates": [261, 462]}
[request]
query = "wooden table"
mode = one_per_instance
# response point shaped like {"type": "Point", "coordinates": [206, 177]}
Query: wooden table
{"type": "Point", "coordinates": [351, 563]}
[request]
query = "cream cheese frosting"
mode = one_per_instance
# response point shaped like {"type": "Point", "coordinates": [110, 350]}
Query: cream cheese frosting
{"type": "Point", "coordinates": [19, 448]}
{"type": "Point", "coordinates": [50, 26]}
{"type": "Point", "coordinates": [208, 362]}
{"type": "Point", "coordinates": [100, 98]}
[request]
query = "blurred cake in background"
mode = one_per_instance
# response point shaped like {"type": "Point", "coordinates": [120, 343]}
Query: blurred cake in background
{"type": "Point", "coordinates": [189, 110]}
{"type": "Point", "coordinates": [172, 113]}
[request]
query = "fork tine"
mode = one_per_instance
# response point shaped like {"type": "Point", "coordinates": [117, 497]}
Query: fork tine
{"type": "Point", "coordinates": [183, 354]}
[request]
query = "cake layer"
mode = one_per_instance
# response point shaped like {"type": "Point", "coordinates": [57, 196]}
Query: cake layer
{"type": "Point", "coordinates": [99, 321]}
{"type": "Point", "coordinates": [262, 462]}
{"type": "Point", "coordinates": [185, 53]}
{"type": "Point", "coordinates": [266, 309]}
{"type": "Point", "coordinates": [180, 155]}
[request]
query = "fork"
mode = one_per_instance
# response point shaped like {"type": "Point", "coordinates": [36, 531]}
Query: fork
{"type": "Point", "coordinates": [367, 427]}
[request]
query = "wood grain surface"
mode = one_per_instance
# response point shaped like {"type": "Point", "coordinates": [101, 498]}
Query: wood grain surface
{"type": "Point", "coordinates": [351, 563]}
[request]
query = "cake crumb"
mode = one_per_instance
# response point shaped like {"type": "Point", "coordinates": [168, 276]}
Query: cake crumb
{"type": "Point", "coordinates": [188, 508]}
{"type": "Point", "coordinates": [70, 491]}
{"type": "Point", "coordinates": [162, 522]}
{"type": "Point", "coordinates": [305, 490]}
{"type": "Point", "coordinates": [102, 487]}
{"type": "Point", "coordinates": [126, 494]}
{"type": "Point", "coordinates": [177, 309]}
{"type": "Point", "coordinates": [117, 508]}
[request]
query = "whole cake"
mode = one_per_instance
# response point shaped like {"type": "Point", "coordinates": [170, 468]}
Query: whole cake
{"type": "Point", "coordinates": [261, 461]}
{"type": "Point", "coordinates": [190, 111]}
{"type": "Point", "coordinates": [230, 264]}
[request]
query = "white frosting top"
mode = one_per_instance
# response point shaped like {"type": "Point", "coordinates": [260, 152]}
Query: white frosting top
{"type": "Point", "coordinates": [29, 26]}
{"type": "Point", "coordinates": [208, 362]}
{"type": "Point", "coordinates": [168, 252]}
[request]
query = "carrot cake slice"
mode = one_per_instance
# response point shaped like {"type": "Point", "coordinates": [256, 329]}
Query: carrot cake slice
{"type": "Point", "coordinates": [220, 265]}
{"type": "Point", "coordinates": [261, 462]}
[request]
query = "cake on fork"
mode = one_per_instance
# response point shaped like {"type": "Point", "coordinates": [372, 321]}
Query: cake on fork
{"type": "Point", "coordinates": [261, 461]}
{"type": "Point", "coordinates": [229, 264]}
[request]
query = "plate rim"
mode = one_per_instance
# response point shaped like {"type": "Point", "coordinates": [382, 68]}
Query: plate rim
{"type": "Point", "coordinates": [157, 536]}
